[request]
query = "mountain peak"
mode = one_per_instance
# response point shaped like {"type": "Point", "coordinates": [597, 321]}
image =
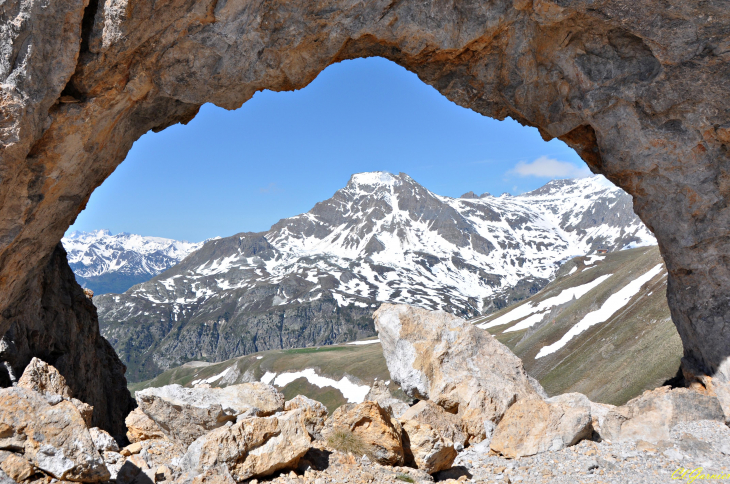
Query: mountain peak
{"type": "Point", "coordinates": [377, 178]}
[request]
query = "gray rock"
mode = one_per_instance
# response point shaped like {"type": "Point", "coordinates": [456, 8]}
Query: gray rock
{"type": "Point", "coordinates": [184, 414]}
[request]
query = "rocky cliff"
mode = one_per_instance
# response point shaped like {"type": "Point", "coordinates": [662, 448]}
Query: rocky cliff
{"type": "Point", "coordinates": [58, 324]}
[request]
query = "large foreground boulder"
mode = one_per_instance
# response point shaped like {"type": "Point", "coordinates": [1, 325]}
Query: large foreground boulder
{"type": "Point", "coordinates": [253, 447]}
{"type": "Point", "coordinates": [532, 426]}
{"type": "Point", "coordinates": [184, 414]}
{"type": "Point", "coordinates": [313, 414]}
{"type": "Point", "coordinates": [51, 434]}
{"type": "Point", "coordinates": [437, 356]}
{"type": "Point", "coordinates": [374, 429]}
{"type": "Point", "coordinates": [651, 416]}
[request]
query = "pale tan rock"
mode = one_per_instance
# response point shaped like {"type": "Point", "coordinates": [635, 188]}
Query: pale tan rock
{"type": "Point", "coordinates": [54, 438]}
{"type": "Point", "coordinates": [44, 378]}
{"type": "Point", "coordinates": [184, 414]}
{"type": "Point", "coordinates": [425, 448]}
{"type": "Point", "coordinates": [448, 425]}
{"type": "Point", "coordinates": [140, 427]}
{"type": "Point", "coordinates": [651, 416]}
{"type": "Point", "coordinates": [131, 449]}
{"type": "Point", "coordinates": [532, 426]}
{"type": "Point", "coordinates": [375, 426]}
{"type": "Point", "coordinates": [17, 468]}
{"type": "Point", "coordinates": [86, 410]}
{"type": "Point", "coordinates": [437, 356]}
{"type": "Point", "coordinates": [103, 441]}
{"type": "Point", "coordinates": [253, 447]}
{"type": "Point", "coordinates": [313, 414]}
{"type": "Point", "coordinates": [216, 475]}
{"type": "Point", "coordinates": [380, 393]}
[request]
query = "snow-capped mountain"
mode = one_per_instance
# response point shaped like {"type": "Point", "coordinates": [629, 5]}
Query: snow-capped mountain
{"type": "Point", "coordinates": [104, 262]}
{"type": "Point", "coordinates": [316, 278]}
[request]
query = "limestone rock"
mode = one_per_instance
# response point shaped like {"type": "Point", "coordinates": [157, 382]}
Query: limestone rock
{"type": "Point", "coordinates": [53, 438]}
{"type": "Point", "coordinates": [44, 378]}
{"type": "Point", "coordinates": [437, 356]}
{"type": "Point", "coordinates": [532, 426]}
{"type": "Point", "coordinates": [425, 448]}
{"type": "Point", "coordinates": [651, 416]}
{"type": "Point", "coordinates": [380, 393]}
{"type": "Point", "coordinates": [253, 447]}
{"type": "Point", "coordinates": [448, 425]}
{"type": "Point", "coordinates": [184, 414]}
{"type": "Point", "coordinates": [375, 426]}
{"type": "Point", "coordinates": [103, 441]}
{"type": "Point", "coordinates": [141, 427]}
{"type": "Point", "coordinates": [17, 468]}
{"type": "Point", "coordinates": [313, 414]}
{"type": "Point", "coordinates": [216, 475]}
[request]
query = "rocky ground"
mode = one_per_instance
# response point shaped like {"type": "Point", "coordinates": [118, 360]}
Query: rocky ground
{"type": "Point", "coordinates": [479, 418]}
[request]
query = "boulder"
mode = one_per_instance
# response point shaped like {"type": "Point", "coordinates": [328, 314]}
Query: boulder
{"type": "Point", "coordinates": [103, 441]}
{"type": "Point", "coordinates": [651, 416]}
{"type": "Point", "coordinates": [380, 393]}
{"type": "Point", "coordinates": [532, 426]}
{"type": "Point", "coordinates": [425, 448]}
{"type": "Point", "coordinates": [216, 475]}
{"type": "Point", "coordinates": [374, 426]}
{"type": "Point", "coordinates": [253, 447]}
{"type": "Point", "coordinates": [17, 468]}
{"type": "Point", "coordinates": [448, 425]}
{"type": "Point", "coordinates": [313, 414]}
{"type": "Point", "coordinates": [44, 378]}
{"type": "Point", "coordinates": [184, 414]}
{"type": "Point", "coordinates": [140, 427]}
{"type": "Point", "coordinates": [437, 356]}
{"type": "Point", "coordinates": [51, 434]}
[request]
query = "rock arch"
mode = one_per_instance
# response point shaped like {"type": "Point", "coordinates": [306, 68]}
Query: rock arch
{"type": "Point", "coordinates": [638, 88]}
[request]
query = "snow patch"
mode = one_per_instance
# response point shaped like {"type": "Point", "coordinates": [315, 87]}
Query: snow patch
{"type": "Point", "coordinates": [352, 392]}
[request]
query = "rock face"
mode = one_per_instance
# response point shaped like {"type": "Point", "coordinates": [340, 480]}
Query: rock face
{"type": "Point", "coordinates": [374, 425]}
{"type": "Point", "coordinates": [425, 448]}
{"type": "Point", "coordinates": [184, 414]}
{"type": "Point", "coordinates": [651, 416]}
{"type": "Point", "coordinates": [253, 447]}
{"type": "Point", "coordinates": [436, 356]}
{"type": "Point", "coordinates": [534, 426]}
{"type": "Point", "coordinates": [51, 434]}
{"type": "Point", "coordinates": [635, 90]}
{"type": "Point", "coordinates": [57, 323]}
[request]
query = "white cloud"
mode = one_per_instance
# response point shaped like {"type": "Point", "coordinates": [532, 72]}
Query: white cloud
{"type": "Point", "coordinates": [545, 167]}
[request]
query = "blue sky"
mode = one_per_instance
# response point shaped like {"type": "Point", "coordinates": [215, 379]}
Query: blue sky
{"type": "Point", "coordinates": [275, 157]}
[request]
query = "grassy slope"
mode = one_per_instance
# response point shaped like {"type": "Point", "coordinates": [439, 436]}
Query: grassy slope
{"type": "Point", "coordinates": [637, 349]}
{"type": "Point", "coordinates": [612, 362]}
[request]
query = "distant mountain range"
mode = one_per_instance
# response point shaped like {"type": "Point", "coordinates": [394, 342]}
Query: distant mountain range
{"type": "Point", "coordinates": [107, 263]}
{"type": "Point", "coordinates": [314, 279]}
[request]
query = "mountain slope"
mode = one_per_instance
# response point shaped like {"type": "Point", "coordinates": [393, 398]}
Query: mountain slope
{"type": "Point", "coordinates": [316, 278]}
{"type": "Point", "coordinates": [602, 328]}
{"type": "Point", "coordinates": [108, 263]}
{"type": "Point", "coordinates": [613, 361]}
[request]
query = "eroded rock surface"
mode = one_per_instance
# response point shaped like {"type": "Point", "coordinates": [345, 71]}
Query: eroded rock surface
{"type": "Point", "coordinates": [437, 356]}
{"type": "Point", "coordinates": [184, 414]}
{"type": "Point", "coordinates": [533, 426]}
{"type": "Point", "coordinates": [425, 448]}
{"type": "Point", "coordinates": [51, 434]}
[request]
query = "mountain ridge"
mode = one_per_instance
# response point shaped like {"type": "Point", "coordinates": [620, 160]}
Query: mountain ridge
{"type": "Point", "coordinates": [315, 278]}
